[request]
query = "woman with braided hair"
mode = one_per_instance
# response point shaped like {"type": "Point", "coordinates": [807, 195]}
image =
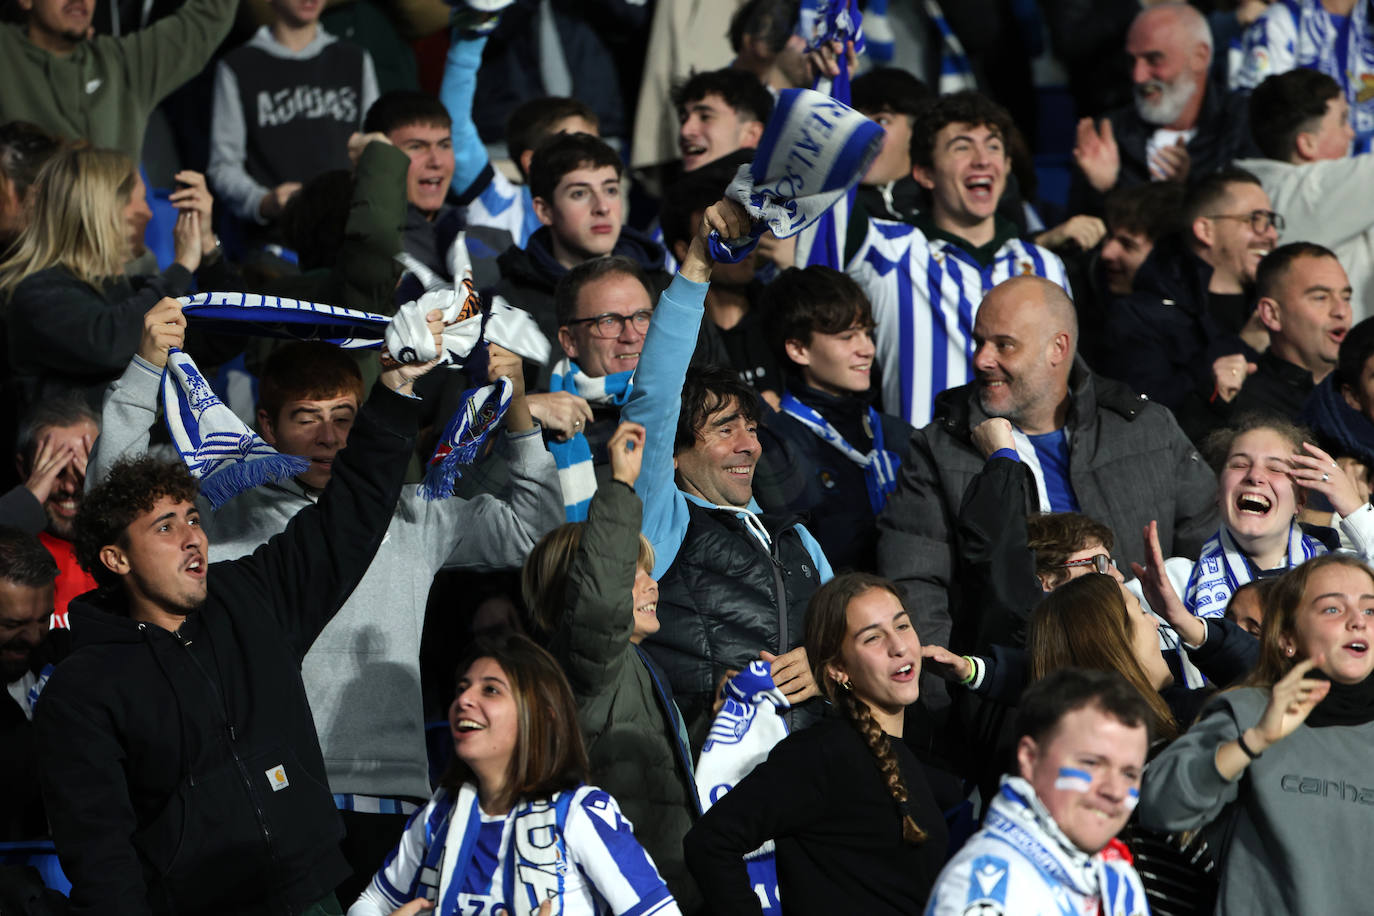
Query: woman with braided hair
{"type": "Point", "coordinates": [854, 815]}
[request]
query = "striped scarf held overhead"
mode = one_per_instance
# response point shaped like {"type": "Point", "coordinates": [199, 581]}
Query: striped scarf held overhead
{"type": "Point", "coordinates": [813, 151]}
{"type": "Point", "coordinates": [576, 473]}
{"type": "Point", "coordinates": [228, 458]}
{"type": "Point", "coordinates": [1222, 567]}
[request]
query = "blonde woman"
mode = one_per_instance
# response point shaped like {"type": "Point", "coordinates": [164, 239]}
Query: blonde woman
{"type": "Point", "coordinates": [74, 320]}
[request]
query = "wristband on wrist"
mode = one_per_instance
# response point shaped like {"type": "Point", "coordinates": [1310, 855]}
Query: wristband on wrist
{"type": "Point", "coordinates": [1253, 755]}
{"type": "Point", "coordinates": [972, 670]}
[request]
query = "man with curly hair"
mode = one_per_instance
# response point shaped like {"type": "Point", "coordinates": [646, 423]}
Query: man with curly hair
{"type": "Point", "coordinates": [180, 763]}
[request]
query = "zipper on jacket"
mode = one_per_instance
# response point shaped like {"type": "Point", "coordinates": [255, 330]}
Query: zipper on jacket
{"type": "Point", "coordinates": [675, 723]}
{"type": "Point", "coordinates": [783, 609]}
{"type": "Point", "coordinates": [233, 750]}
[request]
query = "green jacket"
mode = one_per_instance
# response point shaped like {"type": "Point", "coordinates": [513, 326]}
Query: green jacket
{"type": "Point", "coordinates": [105, 89]}
{"type": "Point", "coordinates": [365, 274]}
{"type": "Point", "coordinates": [636, 743]}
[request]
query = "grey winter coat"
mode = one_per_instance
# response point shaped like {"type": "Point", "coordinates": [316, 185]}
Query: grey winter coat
{"type": "Point", "coordinates": [1129, 464]}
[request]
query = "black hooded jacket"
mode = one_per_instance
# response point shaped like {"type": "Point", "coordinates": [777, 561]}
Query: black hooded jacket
{"type": "Point", "coordinates": [1162, 339]}
{"type": "Point", "coordinates": [1223, 136]}
{"type": "Point", "coordinates": [181, 771]}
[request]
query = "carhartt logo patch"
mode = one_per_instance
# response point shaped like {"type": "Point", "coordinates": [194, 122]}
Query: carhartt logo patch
{"type": "Point", "coordinates": [277, 777]}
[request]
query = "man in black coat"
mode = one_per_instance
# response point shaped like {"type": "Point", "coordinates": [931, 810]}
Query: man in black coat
{"type": "Point", "coordinates": [1180, 126]}
{"type": "Point", "coordinates": [1187, 335]}
{"type": "Point", "coordinates": [180, 765]}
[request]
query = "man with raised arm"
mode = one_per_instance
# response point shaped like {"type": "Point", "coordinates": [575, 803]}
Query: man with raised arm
{"type": "Point", "coordinates": [180, 764]}
{"type": "Point", "coordinates": [733, 582]}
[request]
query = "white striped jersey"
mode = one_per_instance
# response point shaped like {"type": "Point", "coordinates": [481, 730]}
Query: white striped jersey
{"type": "Point", "coordinates": [925, 294]}
{"type": "Point", "coordinates": [606, 870]}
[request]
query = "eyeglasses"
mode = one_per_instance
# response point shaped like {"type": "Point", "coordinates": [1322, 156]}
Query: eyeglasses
{"type": "Point", "coordinates": [613, 325]}
{"type": "Point", "coordinates": [1259, 220]}
{"type": "Point", "coordinates": [1100, 563]}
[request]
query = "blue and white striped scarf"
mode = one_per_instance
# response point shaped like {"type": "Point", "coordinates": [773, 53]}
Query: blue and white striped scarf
{"type": "Point", "coordinates": [219, 451]}
{"type": "Point", "coordinates": [813, 151]}
{"type": "Point", "coordinates": [956, 73]}
{"type": "Point", "coordinates": [880, 465]}
{"type": "Point", "coordinates": [229, 458]}
{"type": "Point", "coordinates": [576, 474]}
{"type": "Point", "coordinates": [1222, 568]}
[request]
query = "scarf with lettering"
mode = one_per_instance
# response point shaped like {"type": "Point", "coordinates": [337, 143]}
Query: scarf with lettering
{"type": "Point", "coordinates": [1222, 568]}
{"type": "Point", "coordinates": [747, 727]}
{"type": "Point", "coordinates": [813, 151]}
{"type": "Point", "coordinates": [228, 458]}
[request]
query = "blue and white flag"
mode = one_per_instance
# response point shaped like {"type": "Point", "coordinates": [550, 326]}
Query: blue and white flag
{"type": "Point", "coordinates": [744, 731]}
{"type": "Point", "coordinates": [813, 151]}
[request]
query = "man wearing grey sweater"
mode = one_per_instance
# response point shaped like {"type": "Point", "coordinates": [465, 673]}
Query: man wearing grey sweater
{"type": "Point", "coordinates": [362, 674]}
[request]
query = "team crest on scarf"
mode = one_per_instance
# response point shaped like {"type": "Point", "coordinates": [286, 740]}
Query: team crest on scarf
{"type": "Point", "coordinates": [219, 451]}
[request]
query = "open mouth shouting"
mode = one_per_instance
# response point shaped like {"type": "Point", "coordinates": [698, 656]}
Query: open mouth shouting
{"type": "Point", "coordinates": [905, 673]}
{"type": "Point", "coordinates": [693, 153]}
{"type": "Point", "coordinates": [1254, 504]}
{"type": "Point", "coordinates": [980, 189]}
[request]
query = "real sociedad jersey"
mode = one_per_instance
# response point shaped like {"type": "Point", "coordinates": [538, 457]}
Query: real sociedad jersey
{"type": "Point", "coordinates": [925, 293]}
{"type": "Point", "coordinates": [1302, 33]}
{"type": "Point", "coordinates": [605, 871]}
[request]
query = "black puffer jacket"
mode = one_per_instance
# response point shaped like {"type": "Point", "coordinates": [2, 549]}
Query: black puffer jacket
{"type": "Point", "coordinates": [723, 600]}
{"type": "Point", "coordinates": [181, 771]}
{"type": "Point", "coordinates": [1161, 339]}
{"type": "Point", "coordinates": [799, 472]}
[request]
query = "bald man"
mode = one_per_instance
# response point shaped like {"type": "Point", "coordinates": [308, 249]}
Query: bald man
{"type": "Point", "coordinates": [1088, 444]}
{"type": "Point", "coordinates": [1178, 125]}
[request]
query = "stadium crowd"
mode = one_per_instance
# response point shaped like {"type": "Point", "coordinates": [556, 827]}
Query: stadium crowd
{"type": "Point", "coordinates": [453, 472]}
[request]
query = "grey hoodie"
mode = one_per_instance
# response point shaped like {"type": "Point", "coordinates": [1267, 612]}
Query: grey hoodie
{"type": "Point", "coordinates": [362, 673]}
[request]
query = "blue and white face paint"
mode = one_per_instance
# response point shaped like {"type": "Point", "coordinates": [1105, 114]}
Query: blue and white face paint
{"type": "Point", "coordinates": [1074, 779]}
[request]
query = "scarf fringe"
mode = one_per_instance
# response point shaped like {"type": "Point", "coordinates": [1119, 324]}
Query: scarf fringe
{"type": "Point", "coordinates": [234, 478]}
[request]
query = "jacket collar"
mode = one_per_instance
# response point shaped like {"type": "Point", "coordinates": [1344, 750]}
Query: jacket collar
{"type": "Point", "coordinates": [1004, 230]}
{"type": "Point", "coordinates": [1172, 270]}
{"type": "Point", "coordinates": [958, 410]}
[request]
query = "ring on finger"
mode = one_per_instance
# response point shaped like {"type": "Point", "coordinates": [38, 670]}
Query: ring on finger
{"type": "Point", "coordinates": [1325, 478]}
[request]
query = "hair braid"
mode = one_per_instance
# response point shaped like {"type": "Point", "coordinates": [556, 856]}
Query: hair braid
{"type": "Point", "coordinates": [877, 742]}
